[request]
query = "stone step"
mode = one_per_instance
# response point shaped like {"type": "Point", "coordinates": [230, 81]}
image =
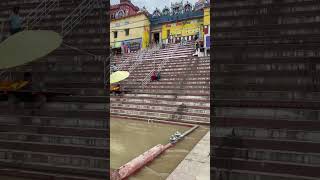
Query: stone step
{"type": "Point", "coordinates": [179, 51]}
{"type": "Point", "coordinates": [172, 59]}
{"type": "Point", "coordinates": [54, 148]}
{"type": "Point", "coordinates": [162, 101]}
{"type": "Point", "coordinates": [71, 106]}
{"type": "Point", "coordinates": [83, 99]}
{"type": "Point", "coordinates": [273, 155]}
{"type": "Point", "coordinates": [274, 134]}
{"type": "Point", "coordinates": [176, 74]}
{"type": "Point", "coordinates": [61, 131]}
{"type": "Point", "coordinates": [146, 118]}
{"type": "Point", "coordinates": [255, 102]}
{"type": "Point", "coordinates": [270, 95]}
{"type": "Point", "coordinates": [167, 108]}
{"type": "Point", "coordinates": [69, 164]}
{"type": "Point", "coordinates": [165, 73]}
{"type": "Point", "coordinates": [293, 124]}
{"type": "Point", "coordinates": [61, 106]}
{"type": "Point", "coordinates": [198, 97]}
{"type": "Point", "coordinates": [173, 81]}
{"type": "Point", "coordinates": [56, 122]}
{"type": "Point", "coordinates": [16, 171]}
{"type": "Point", "coordinates": [159, 86]}
{"type": "Point", "coordinates": [193, 92]}
{"type": "Point", "coordinates": [168, 66]}
{"type": "Point", "coordinates": [175, 62]}
{"type": "Point", "coordinates": [81, 91]}
{"type": "Point", "coordinates": [145, 65]}
{"type": "Point", "coordinates": [174, 70]}
{"type": "Point", "coordinates": [266, 169]}
{"type": "Point", "coordinates": [54, 139]}
{"type": "Point", "coordinates": [63, 69]}
{"type": "Point", "coordinates": [50, 85]}
{"type": "Point", "coordinates": [171, 88]}
{"type": "Point", "coordinates": [165, 115]}
{"type": "Point", "coordinates": [158, 58]}
{"type": "Point", "coordinates": [268, 113]}
{"type": "Point", "coordinates": [56, 113]}
{"type": "Point", "coordinates": [168, 79]}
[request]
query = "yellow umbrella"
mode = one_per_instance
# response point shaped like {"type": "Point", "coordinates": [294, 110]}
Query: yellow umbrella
{"type": "Point", "coordinates": [27, 46]}
{"type": "Point", "coordinates": [12, 86]}
{"type": "Point", "coordinates": [118, 76]}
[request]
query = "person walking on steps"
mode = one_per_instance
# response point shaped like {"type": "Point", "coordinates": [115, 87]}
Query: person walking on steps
{"type": "Point", "coordinates": [122, 48]}
{"type": "Point", "coordinates": [15, 21]}
{"type": "Point", "coordinates": [158, 76]}
{"type": "Point", "coordinates": [197, 49]}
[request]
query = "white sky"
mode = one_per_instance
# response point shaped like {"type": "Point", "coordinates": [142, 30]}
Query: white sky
{"type": "Point", "coordinates": [151, 5]}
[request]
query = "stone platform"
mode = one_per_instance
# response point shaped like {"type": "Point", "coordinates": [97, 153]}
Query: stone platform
{"type": "Point", "coordinates": [196, 165]}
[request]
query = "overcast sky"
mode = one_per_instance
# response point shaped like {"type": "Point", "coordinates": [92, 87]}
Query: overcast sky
{"type": "Point", "coordinates": [152, 4]}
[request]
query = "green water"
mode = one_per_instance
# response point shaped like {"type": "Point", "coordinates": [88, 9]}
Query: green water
{"type": "Point", "coordinates": [130, 138]}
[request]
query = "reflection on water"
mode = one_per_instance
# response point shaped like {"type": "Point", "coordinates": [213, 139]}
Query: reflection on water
{"type": "Point", "coordinates": [130, 138]}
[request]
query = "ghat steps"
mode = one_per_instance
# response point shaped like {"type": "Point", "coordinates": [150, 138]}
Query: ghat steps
{"type": "Point", "coordinates": [179, 84]}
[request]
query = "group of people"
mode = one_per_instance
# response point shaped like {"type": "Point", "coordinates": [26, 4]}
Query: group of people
{"type": "Point", "coordinates": [183, 41]}
{"type": "Point", "coordinates": [125, 49]}
{"type": "Point", "coordinates": [153, 44]}
{"type": "Point", "coordinates": [198, 46]}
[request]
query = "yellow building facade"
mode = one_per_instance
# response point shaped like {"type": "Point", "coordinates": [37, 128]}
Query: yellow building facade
{"type": "Point", "coordinates": [206, 24]}
{"type": "Point", "coordinates": [206, 16]}
{"type": "Point", "coordinates": [131, 30]}
{"type": "Point", "coordinates": [185, 28]}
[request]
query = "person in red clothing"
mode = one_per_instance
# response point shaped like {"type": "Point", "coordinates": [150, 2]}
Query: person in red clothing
{"type": "Point", "coordinates": [154, 76]}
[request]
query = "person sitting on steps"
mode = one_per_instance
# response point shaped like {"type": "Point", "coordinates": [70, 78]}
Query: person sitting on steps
{"type": "Point", "coordinates": [154, 76]}
{"type": "Point", "coordinates": [116, 89]}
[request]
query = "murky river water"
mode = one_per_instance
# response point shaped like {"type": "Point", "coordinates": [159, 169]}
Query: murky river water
{"type": "Point", "coordinates": [130, 138]}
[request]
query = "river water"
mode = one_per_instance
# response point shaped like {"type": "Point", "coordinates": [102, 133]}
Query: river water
{"type": "Point", "coordinates": [130, 138]}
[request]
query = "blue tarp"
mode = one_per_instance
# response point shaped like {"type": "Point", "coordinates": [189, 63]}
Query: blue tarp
{"type": "Point", "coordinates": [208, 42]}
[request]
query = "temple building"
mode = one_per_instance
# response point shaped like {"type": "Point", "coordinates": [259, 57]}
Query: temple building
{"type": "Point", "coordinates": [125, 8]}
{"type": "Point", "coordinates": [179, 21]}
{"type": "Point", "coordinates": [129, 25]}
{"type": "Point", "coordinates": [137, 28]}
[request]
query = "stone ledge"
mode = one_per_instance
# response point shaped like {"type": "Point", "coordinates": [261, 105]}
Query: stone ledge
{"type": "Point", "coordinates": [196, 165]}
